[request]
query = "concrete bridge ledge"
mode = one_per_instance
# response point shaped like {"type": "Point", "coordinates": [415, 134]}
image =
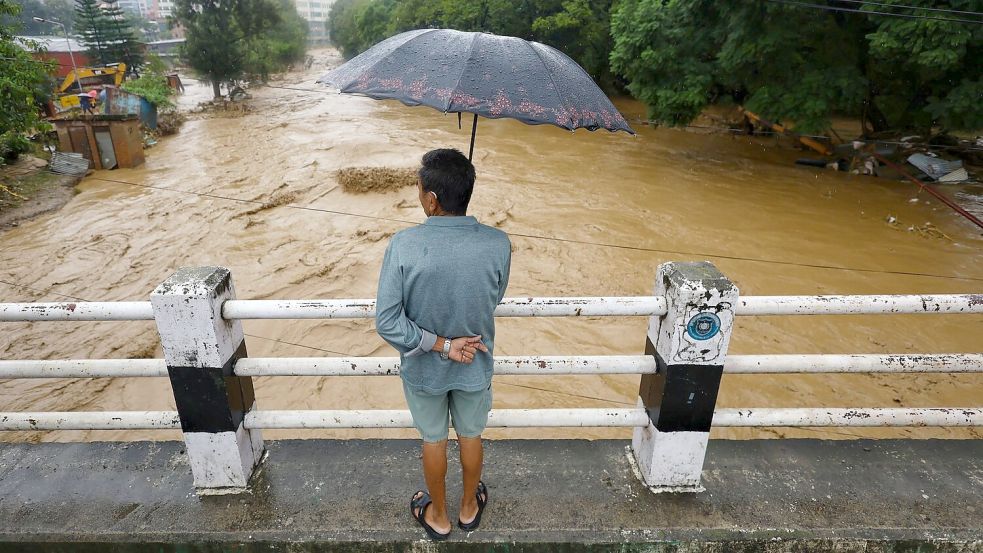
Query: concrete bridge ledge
{"type": "Point", "coordinates": [546, 495]}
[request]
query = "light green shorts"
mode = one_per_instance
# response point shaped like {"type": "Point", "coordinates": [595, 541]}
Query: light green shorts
{"type": "Point", "coordinates": [468, 411]}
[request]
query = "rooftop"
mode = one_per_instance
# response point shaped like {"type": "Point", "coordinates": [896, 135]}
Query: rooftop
{"type": "Point", "coordinates": [53, 43]}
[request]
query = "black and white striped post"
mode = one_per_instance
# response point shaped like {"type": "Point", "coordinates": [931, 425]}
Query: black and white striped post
{"type": "Point", "coordinates": [200, 349]}
{"type": "Point", "coordinates": [689, 344]}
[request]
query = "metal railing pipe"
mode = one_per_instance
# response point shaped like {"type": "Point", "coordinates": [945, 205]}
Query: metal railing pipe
{"type": "Point", "coordinates": [83, 368]}
{"type": "Point", "coordinates": [91, 420]}
{"type": "Point", "coordinates": [497, 418]}
{"type": "Point", "coordinates": [77, 311]}
{"type": "Point", "coordinates": [859, 305]}
{"type": "Point", "coordinates": [855, 363]}
{"type": "Point", "coordinates": [510, 307]}
{"type": "Point", "coordinates": [509, 365]}
{"type": "Point", "coordinates": [874, 417]}
{"type": "Point", "coordinates": [504, 365]}
{"type": "Point", "coordinates": [502, 418]}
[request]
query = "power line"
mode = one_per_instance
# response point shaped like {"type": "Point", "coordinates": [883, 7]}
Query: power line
{"type": "Point", "coordinates": [298, 345]}
{"type": "Point", "coordinates": [910, 7]}
{"type": "Point", "coordinates": [871, 12]}
{"type": "Point", "coordinates": [41, 291]}
{"type": "Point", "coordinates": [608, 400]}
{"type": "Point", "coordinates": [568, 240]}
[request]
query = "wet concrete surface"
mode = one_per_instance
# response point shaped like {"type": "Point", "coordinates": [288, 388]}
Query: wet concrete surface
{"type": "Point", "coordinates": [767, 495]}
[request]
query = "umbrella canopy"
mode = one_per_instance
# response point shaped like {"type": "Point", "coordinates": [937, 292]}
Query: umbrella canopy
{"type": "Point", "coordinates": [480, 73]}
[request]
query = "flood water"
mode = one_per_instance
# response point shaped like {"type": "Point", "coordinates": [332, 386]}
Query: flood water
{"type": "Point", "coordinates": [660, 192]}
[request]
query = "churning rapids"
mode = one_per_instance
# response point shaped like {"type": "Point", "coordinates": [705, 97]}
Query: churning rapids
{"type": "Point", "coordinates": [665, 189]}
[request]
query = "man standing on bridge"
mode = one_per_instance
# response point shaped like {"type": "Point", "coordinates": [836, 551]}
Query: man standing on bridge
{"type": "Point", "coordinates": [438, 289]}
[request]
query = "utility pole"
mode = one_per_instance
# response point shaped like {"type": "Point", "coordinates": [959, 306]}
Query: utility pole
{"type": "Point", "coordinates": [68, 42]}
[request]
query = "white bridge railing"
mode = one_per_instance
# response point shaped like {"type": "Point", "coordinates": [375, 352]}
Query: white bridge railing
{"type": "Point", "coordinates": [688, 296]}
{"type": "Point", "coordinates": [624, 306]}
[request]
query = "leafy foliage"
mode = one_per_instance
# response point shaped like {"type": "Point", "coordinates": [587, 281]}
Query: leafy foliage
{"type": "Point", "coordinates": [58, 10]}
{"type": "Point", "coordinates": [227, 40]}
{"type": "Point", "coordinates": [23, 81]}
{"type": "Point", "coordinates": [788, 62]}
{"type": "Point", "coordinates": [152, 84]}
{"type": "Point", "coordinates": [793, 63]}
{"type": "Point", "coordinates": [577, 27]}
{"type": "Point", "coordinates": [282, 45]}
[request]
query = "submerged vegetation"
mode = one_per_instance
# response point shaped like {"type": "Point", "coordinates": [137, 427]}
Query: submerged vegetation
{"type": "Point", "coordinates": [912, 70]}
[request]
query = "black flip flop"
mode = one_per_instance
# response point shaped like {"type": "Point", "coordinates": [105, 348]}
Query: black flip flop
{"type": "Point", "coordinates": [473, 525]}
{"type": "Point", "coordinates": [422, 503]}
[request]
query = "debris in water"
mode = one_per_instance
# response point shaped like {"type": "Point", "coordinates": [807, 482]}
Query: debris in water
{"type": "Point", "coordinates": [221, 108]}
{"type": "Point", "coordinates": [939, 169]}
{"type": "Point", "coordinates": [168, 122]}
{"type": "Point", "coordinates": [928, 230]}
{"type": "Point", "coordinates": [361, 180]}
{"type": "Point", "coordinates": [277, 199]}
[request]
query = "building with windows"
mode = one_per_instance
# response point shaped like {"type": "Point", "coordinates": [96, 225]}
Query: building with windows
{"type": "Point", "coordinates": [315, 12]}
{"type": "Point", "coordinates": [134, 7]}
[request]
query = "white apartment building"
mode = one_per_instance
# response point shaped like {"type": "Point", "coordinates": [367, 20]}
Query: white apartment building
{"type": "Point", "coordinates": [315, 12]}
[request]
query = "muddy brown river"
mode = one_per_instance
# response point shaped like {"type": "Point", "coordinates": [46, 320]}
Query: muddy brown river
{"type": "Point", "coordinates": [707, 195]}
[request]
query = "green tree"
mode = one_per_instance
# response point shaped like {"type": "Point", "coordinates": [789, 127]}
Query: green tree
{"type": "Point", "coordinates": [582, 30]}
{"type": "Point", "coordinates": [282, 45]}
{"type": "Point", "coordinates": [152, 84]}
{"type": "Point", "coordinates": [799, 64]}
{"type": "Point", "coordinates": [213, 40]}
{"type": "Point", "coordinates": [416, 14]}
{"type": "Point", "coordinates": [92, 27]}
{"type": "Point", "coordinates": [22, 83]}
{"type": "Point", "coordinates": [579, 28]}
{"type": "Point", "coordinates": [355, 25]}
{"type": "Point", "coordinates": [926, 72]}
{"type": "Point", "coordinates": [226, 40]}
{"type": "Point", "coordinates": [121, 39]}
{"type": "Point", "coordinates": [57, 10]}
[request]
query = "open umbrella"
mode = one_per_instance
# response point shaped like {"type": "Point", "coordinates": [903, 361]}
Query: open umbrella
{"type": "Point", "coordinates": [480, 73]}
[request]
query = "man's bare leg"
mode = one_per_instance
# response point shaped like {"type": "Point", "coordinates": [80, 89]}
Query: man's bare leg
{"type": "Point", "coordinates": [435, 472]}
{"type": "Point", "coordinates": [472, 456]}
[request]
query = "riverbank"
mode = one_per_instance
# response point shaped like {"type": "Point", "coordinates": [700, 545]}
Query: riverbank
{"type": "Point", "coordinates": [28, 189]}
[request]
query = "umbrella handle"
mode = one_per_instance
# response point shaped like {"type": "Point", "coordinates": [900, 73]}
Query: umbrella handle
{"type": "Point", "coordinates": [474, 129]}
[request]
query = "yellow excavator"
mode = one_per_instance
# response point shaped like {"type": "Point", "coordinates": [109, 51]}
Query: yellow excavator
{"type": "Point", "coordinates": [87, 78]}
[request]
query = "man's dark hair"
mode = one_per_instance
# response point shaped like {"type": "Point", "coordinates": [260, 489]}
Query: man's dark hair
{"type": "Point", "coordinates": [449, 175]}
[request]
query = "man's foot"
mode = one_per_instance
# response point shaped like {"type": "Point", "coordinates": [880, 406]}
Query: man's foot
{"type": "Point", "coordinates": [470, 515]}
{"type": "Point", "coordinates": [436, 530]}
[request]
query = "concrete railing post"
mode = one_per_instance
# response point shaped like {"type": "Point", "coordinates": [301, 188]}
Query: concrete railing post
{"type": "Point", "coordinates": [200, 349]}
{"type": "Point", "coordinates": [689, 344]}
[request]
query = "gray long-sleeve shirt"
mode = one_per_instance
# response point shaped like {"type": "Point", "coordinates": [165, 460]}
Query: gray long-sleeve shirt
{"type": "Point", "coordinates": [442, 278]}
